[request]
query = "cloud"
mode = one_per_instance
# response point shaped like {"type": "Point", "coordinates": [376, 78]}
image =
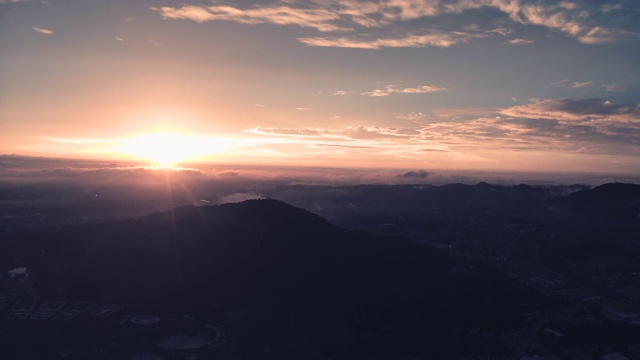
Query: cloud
{"type": "Point", "coordinates": [573, 19]}
{"type": "Point", "coordinates": [119, 38]}
{"type": "Point", "coordinates": [317, 18]}
{"type": "Point", "coordinates": [601, 35]}
{"type": "Point", "coordinates": [593, 126]}
{"type": "Point", "coordinates": [434, 150]}
{"type": "Point", "coordinates": [424, 89]}
{"type": "Point", "coordinates": [435, 139]}
{"type": "Point", "coordinates": [376, 93]}
{"type": "Point", "coordinates": [344, 146]}
{"type": "Point", "coordinates": [376, 132]}
{"type": "Point", "coordinates": [198, 14]}
{"type": "Point", "coordinates": [518, 42]}
{"type": "Point", "coordinates": [561, 83]}
{"type": "Point", "coordinates": [392, 89]}
{"type": "Point", "coordinates": [572, 84]}
{"type": "Point", "coordinates": [581, 85]}
{"type": "Point", "coordinates": [575, 110]}
{"type": "Point", "coordinates": [341, 92]}
{"type": "Point", "coordinates": [431, 38]}
{"type": "Point", "coordinates": [607, 8]}
{"type": "Point", "coordinates": [566, 17]}
{"type": "Point", "coordinates": [500, 30]}
{"type": "Point", "coordinates": [412, 116]}
{"type": "Point", "coordinates": [613, 87]}
{"type": "Point", "coordinates": [42, 31]}
{"type": "Point", "coordinates": [259, 130]}
{"type": "Point", "coordinates": [419, 174]}
{"type": "Point", "coordinates": [357, 132]}
{"type": "Point", "coordinates": [239, 197]}
{"type": "Point", "coordinates": [568, 5]}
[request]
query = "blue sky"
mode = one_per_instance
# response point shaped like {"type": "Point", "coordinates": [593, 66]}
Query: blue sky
{"type": "Point", "coordinates": [487, 84]}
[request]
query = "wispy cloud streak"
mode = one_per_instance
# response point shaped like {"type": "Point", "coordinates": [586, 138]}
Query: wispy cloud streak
{"type": "Point", "coordinates": [393, 89]}
{"type": "Point", "coordinates": [42, 31]}
{"type": "Point", "coordinates": [431, 38]}
{"type": "Point", "coordinates": [567, 17]}
{"type": "Point", "coordinates": [518, 42]}
{"type": "Point", "coordinates": [317, 18]}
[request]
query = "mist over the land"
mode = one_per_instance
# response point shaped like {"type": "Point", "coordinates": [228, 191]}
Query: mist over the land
{"type": "Point", "coordinates": [65, 191]}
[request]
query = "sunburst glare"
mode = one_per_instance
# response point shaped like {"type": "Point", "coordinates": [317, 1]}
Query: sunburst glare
{"type": "Point", "coordinates": [168, 149]}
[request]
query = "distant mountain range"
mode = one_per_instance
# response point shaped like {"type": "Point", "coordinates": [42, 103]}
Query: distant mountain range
{"type": "Point", "coordinates": [615, 202]}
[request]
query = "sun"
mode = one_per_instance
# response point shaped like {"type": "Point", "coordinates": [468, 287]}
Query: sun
{"type": "Point", "coordinates": [166, 149]}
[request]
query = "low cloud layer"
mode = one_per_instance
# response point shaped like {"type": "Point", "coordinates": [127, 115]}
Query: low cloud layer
{"type": "Point", "coordinates": [419, 174]}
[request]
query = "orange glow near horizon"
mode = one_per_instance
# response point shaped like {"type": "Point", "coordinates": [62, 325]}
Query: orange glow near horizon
{"type": "Point", "coordinates": [168, 149]}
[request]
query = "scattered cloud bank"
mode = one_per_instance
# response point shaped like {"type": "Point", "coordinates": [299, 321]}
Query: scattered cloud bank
{"type": "Point", "coordinates": [578, 126]}
{"type": "Point", "coordinates": [360, 18]}
{"type": "Point", "coordinates": [491, 136]}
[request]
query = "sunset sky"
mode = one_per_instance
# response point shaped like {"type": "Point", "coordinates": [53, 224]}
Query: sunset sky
{"type": "Point", "coordinates": [486, 84]}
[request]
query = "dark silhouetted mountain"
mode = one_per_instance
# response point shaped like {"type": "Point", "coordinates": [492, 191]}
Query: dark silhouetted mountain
{"type": "Point", "coordinates": [306, 287]}
{"type": "Point", "coordinates": [615, 202]}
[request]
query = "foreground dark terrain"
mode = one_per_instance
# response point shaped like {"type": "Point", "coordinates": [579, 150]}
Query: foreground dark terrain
{"type": "Point", "coordinates": [427, 272]}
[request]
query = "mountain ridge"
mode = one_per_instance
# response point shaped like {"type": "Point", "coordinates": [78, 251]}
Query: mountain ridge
{"type": "Point", "coordinates": [297, 278]}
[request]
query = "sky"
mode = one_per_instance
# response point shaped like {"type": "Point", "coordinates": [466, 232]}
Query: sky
{"type": "Point", "coordinates": [427, 84]}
